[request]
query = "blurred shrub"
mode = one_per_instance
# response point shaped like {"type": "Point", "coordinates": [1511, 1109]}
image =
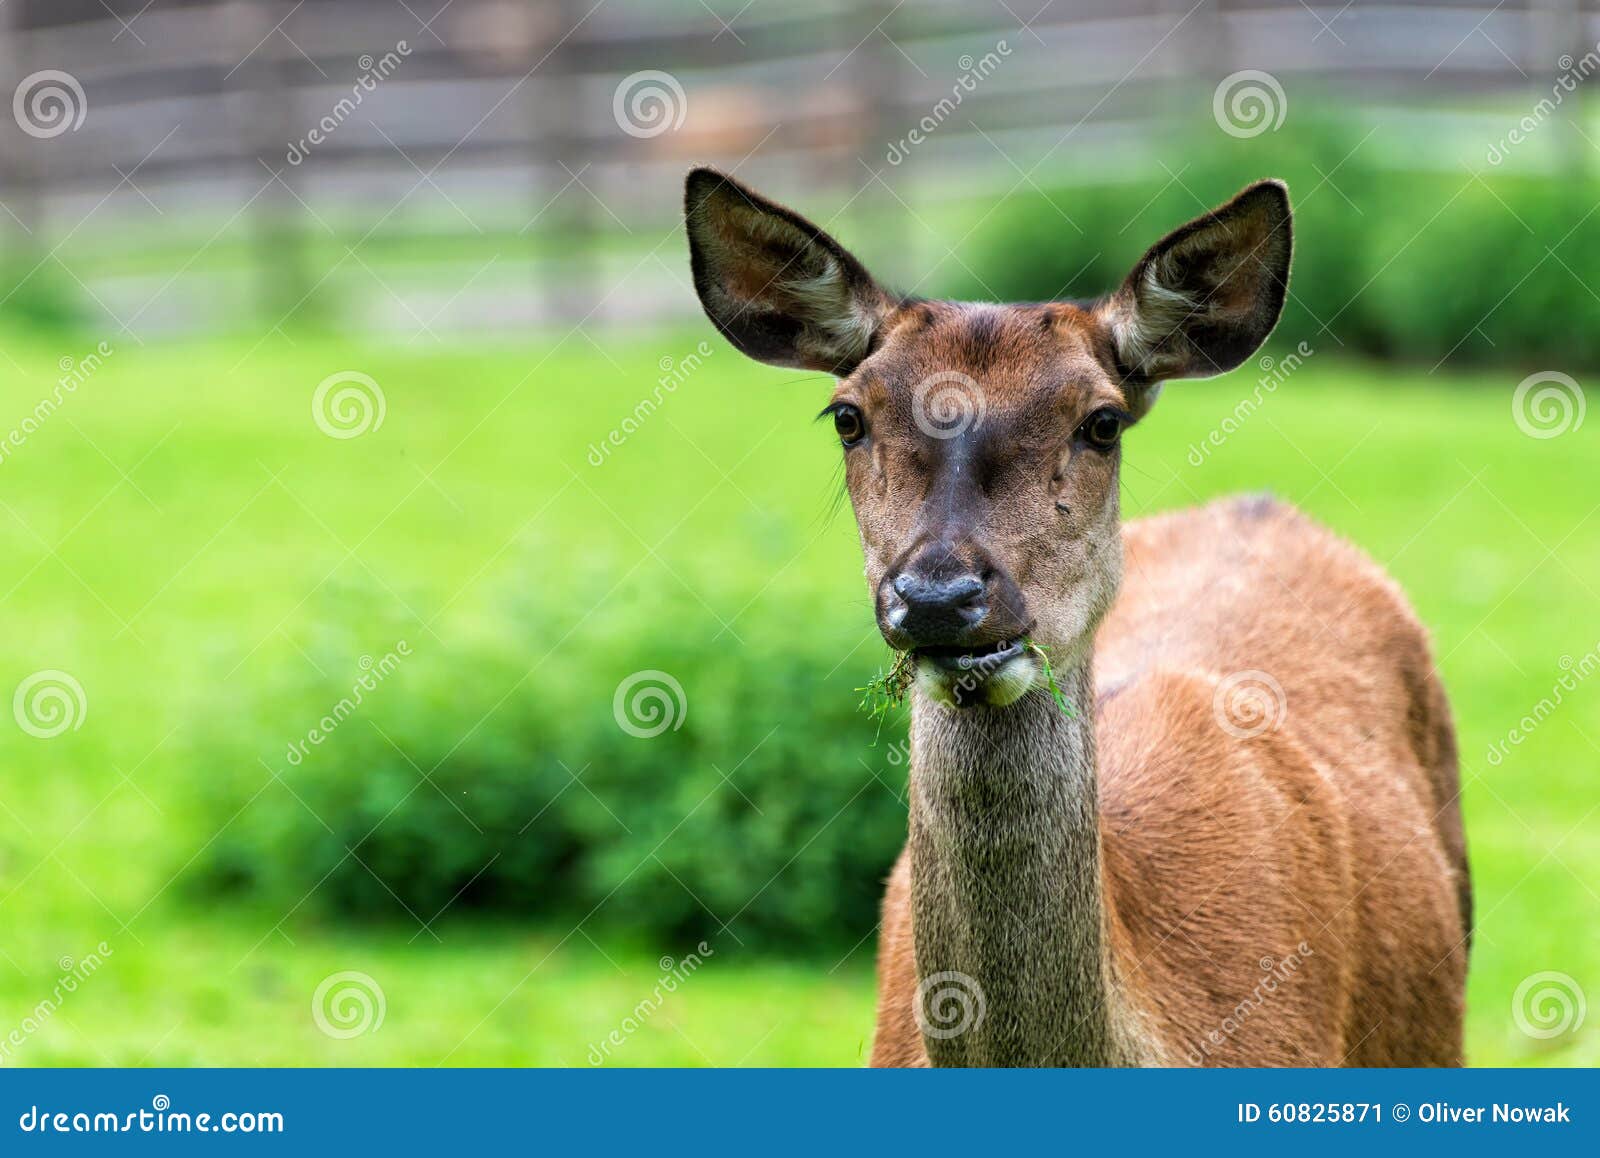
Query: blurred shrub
{"type": "Point", "coordinates": [1497, 273]}
{"type": "Point", "coordinates": [37, 295]}
{"type": "Point", "coordinates": [1391, 262]}
{"type": "Point", "coordinates": [494, 775]}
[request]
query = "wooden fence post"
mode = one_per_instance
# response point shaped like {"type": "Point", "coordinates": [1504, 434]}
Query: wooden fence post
{"type": "Point", "coordinates": [282, 281]}
{"type": "Point", "coordinates": [20, 221]}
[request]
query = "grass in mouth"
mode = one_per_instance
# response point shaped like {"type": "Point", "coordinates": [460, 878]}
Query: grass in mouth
{"type": "Point", "coordinates": [1056, 694]}
{"type": "Point", "coordinates": [887, 690]}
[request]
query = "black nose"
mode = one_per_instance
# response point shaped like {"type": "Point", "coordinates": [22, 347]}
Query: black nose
{"type": "Point", "coordinates": [937, 608]}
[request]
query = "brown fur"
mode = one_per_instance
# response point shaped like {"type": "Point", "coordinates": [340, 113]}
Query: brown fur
{"type": "Point", "coordinates": [1341, 829]}
{"type": "Point", "coordinates": [1151, 881]}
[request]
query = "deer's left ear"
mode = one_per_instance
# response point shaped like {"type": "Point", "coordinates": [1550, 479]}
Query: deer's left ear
{"type": "Point", "coordinates": [778, 288]}
{"type": "Point", "coordinates": [1206, 295]}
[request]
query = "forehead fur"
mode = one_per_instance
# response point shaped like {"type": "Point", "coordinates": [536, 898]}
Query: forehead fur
{"type": "Point", "coordinates": [1016, 353]}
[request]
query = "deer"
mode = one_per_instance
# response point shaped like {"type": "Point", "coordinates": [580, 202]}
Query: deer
{"type": "Point", "coordinates": [1241, 842]}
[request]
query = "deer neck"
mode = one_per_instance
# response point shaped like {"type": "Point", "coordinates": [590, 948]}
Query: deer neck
{"type": "Point", "coordinates": [1008, 905]}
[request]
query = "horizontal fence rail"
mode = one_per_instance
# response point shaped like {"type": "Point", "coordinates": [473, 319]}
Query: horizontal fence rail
{"type": "Point", "coordinates": [420, 168]}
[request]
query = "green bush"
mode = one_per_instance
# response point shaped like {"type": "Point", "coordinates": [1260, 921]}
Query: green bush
{"type": "Point", "coordinates": [766, 813]}
{"type": "Point", "coordinates": [1421, 266]}
{"type": "Point", "coordinates": [38, 296]}
{"type": "Point", "coordinates": [1497, 274]}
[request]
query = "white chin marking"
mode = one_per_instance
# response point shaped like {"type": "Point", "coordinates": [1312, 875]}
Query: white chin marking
{"type": "Point", "coordinates": [1006, 686]}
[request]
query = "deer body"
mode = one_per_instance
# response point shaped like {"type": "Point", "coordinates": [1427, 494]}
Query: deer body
{"type": "Point", "coordinates": [1179, 895]}
{"type": "Point", "coordinates": [1245, 846]}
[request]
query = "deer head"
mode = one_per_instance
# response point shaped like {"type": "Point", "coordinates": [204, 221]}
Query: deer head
{"type": "Point", "coordinates": [982, 442]}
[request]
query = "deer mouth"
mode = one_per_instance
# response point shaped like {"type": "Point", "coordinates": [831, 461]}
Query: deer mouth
{"type": "Point", "coordinates": [977, 662]}
{"type": "Point", "coordinates": [994, 674]}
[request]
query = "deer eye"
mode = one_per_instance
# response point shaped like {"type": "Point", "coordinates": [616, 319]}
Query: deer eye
{"type": "Point", "coordinates": [1102, 428]}
{"type": "Point", "coordinates": [849, 424]}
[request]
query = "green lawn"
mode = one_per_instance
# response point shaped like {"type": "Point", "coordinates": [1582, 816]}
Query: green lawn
{"type": "Point", "coordinates": [167, 533]}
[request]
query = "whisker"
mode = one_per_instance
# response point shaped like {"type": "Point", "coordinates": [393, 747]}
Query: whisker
{"type": "Point", "coordinates": [835, 503]}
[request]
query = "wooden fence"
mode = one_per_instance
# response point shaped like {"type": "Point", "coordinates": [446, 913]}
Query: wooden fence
{"type": "Point", "coordinates": [434, 165]}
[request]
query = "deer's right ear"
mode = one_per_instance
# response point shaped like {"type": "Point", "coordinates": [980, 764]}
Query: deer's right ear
{"type": "Point", "coordinates": [778, 288]}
